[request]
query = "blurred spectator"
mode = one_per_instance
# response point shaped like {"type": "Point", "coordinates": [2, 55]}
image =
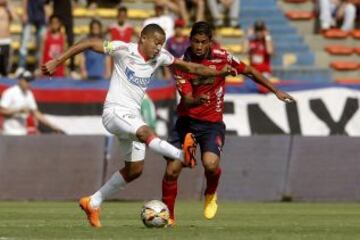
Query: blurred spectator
{"type": "Point", "coordinates": [54, 44]}
{"type": "Point", "coordinates": [63, 9]}
{"type": "Point", "coordinates": [184, 9]}
{"type": "Point", "coordinates": [122, 30]}
{"type": "Point", "coordinates": [102, 3]}
{"type": "Point", "coordinates": [346, 14]}
{"type": "Point", "coordinates": [260, 48]}
{"type": "Point", "coordinates": [33, 15]}
{"type": "Point", "coordinates": [198, 7]}
{"type": "Point", "coordinates": [162, 18]}
{"type": "Point", "coordinates": [17, 104]}
{"type": "Point", "coordinates": [7, 15]}
{"type": "Point", "coordinates": [333, 12]}
{"type": "Point", "coordinates": [178, 43]}
{"type": "Point", "coordinates": [218, 8]}
{"type": "Point", "coordinates": [93, 65]}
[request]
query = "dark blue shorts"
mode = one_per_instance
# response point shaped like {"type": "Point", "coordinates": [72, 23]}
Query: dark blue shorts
{"type": "Point", "coordinates": [210, 136]}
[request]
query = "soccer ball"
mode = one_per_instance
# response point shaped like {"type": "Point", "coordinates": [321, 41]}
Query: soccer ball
{"type": "Point", "coordinates": [155, 214]}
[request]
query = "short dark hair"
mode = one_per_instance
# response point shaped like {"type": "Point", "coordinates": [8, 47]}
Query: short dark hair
{"type": "Point", "coordinates": [95, 21]}
{"type": "Point", "coordinates": [152, 28]}
{"type": "Point", "coordinates": [202, 28]}
{"type": "Point", "coordinates": [54, 16]}
{"type": "Point", "coordinates": [122, 9]}
{"type": "Point", "coordinates": [259, 25]}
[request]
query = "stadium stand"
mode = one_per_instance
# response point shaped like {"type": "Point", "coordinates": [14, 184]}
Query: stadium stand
{"type": "Point", "coordinates": [299, 54]}
{"type": "Point", "coordinates": [331, 48]}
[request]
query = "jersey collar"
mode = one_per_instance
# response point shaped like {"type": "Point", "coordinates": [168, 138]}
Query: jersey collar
{"type": "Point", "coordinates": [142, 54]}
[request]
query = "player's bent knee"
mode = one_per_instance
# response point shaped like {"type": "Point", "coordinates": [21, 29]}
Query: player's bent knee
{"type": "Point", "coordinates": [132, 170]}
{"type": "Point", "coordinates": [173, 169]}
{"type": "Point", "coordinates": [211, 166]}
{"type": "Point", "coordinates": [173, 173]}
{"type": "Point", "coordinates": [144, 133]}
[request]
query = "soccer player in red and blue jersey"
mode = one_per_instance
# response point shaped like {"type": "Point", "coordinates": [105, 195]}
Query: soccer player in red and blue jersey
{"type": "Point", "coordinates": [200, 112]}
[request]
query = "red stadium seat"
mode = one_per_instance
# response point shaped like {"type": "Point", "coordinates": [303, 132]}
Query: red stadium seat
{"type": "Point", "coordinates": [339, 50]}
{"type": "Point", "coordinates": [356, 33]}
{"type": "Point", "coordinates": [299, 15]}
{"type": "Point", "coordinates": [344, 65]}
{"type": "Point", "coordinates": [357, 50]}
{"type": "Point", "coordinates": [335, 33]}
{"type": "Point", "coordinates": [348, 80]}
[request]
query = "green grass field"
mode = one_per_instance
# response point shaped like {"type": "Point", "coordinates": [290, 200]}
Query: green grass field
{"type": "Point", "coordinates": [250, 221]}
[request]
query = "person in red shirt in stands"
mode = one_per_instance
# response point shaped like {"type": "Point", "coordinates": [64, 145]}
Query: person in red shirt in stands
{"type": "Point", "coordinates": [260, 48]}
{"type": "Point", "coordinates": [54, 44]}
{"type": "Point", "coordinates": [122, 30]}
{"type": "Point", "coordinates": [200, 112]}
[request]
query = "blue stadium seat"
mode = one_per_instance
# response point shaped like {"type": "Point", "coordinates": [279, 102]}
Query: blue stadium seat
{"type": "Point", "coordinates": [302, 59]}
{"type": "Point", "coordinates": [304, 74]}
{"type": "Point", "coordinates": [289, 47]}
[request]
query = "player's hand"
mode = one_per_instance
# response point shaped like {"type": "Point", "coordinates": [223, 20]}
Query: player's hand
{"type": "Point", "coordinates": [228, 70]}
{"type": "Point", "coordinates": [283, 96]}
{"type": "Point", "coordinates": [49, 67]}
{"type": "Point", "coordinates": [202, 99]}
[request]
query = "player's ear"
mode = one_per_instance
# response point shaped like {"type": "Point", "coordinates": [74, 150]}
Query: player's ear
{"type": "Point", "coordinates": [143, 38]}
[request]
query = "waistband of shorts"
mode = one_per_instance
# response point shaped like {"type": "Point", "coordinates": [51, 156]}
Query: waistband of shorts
{"type": "Point", "coordinates": [187, 118]}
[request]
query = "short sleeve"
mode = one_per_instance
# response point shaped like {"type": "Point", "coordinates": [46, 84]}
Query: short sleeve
{"type": "Point", "coordinates": [166, 58]}
{"type": "Point", "coordinates": [236, 63]}
{"type": "Point", "coordinates": [5, 100]}
{"type": "Point", "coordinates": [113, 48]}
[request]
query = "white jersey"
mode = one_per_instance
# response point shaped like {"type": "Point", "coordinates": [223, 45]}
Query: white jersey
{"type": "Point", "coordinates": [15, 98]}
{"type": "Point", "coordinates": [132, 74]}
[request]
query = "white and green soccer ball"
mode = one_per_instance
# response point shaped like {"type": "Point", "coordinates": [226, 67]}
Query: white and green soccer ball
{"type": "Point", "coordinates": [155, 214]}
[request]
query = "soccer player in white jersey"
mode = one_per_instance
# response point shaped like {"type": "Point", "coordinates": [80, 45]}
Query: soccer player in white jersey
{"type": "Point", "coordinates": [134, 65]}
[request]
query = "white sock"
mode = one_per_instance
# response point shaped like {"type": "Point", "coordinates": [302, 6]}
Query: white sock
{"type": "Point", "coordinates": [166, 149]}
{"type": "Point", "coordinates": [115, 183]}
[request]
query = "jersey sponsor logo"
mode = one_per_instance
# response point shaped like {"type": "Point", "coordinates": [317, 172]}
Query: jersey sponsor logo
{"type": "Point", "coordinates": [138, 81]}
{"type": "Point", "coordinates": [203, 81]}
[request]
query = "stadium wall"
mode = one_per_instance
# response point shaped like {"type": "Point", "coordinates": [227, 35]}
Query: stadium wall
{"type": "Point", "coordinates": [257, 168]}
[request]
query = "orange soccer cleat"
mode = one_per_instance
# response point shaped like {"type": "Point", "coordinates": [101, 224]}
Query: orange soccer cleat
{"type": "Point", "coordinates": [189, 148]}
{"type": "Point", "coordinates": [93, 214]}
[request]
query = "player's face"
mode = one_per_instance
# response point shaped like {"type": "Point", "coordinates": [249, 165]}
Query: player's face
{"type": "Point", "coordinates": [152, 44]}
{"type": "Point", "coordinates": [200, 44]}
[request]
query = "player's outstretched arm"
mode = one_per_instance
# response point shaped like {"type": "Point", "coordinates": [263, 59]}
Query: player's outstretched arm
{"type": "Point", "coordinates": [93, 44]}
{"type": "Point", "coordinates": [259, 78]}
{"type": "Point", "coordinates": [203, 70]}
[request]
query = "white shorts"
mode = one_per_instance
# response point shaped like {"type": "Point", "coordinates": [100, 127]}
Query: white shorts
{"type": "Point", "coordinates": [124, 124]}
